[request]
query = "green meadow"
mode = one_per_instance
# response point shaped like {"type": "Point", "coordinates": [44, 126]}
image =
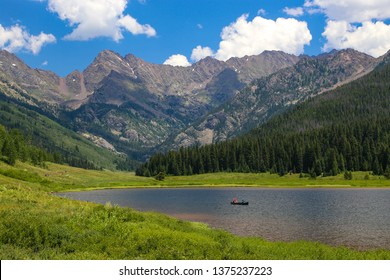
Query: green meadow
{"type": "Point", "coordinates": [35, 224]}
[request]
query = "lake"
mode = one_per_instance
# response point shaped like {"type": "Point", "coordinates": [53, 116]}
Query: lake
{"type": "Point", "coordinates": [356, 218]}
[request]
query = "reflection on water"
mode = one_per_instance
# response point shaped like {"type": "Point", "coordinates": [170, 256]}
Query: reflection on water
{"type": "Point", "coordinates": [358, 218]}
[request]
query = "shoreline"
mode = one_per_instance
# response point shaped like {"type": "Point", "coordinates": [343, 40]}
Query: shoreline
{"type": "Point", "coordinates": [323, 186]}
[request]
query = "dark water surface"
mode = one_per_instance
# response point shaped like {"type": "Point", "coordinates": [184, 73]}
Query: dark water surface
{"type": "Point", "coordinates": [357, 218]}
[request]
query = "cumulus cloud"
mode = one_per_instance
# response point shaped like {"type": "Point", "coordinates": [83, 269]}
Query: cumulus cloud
{"type": "Point", "coordinates": [245, 37]}
{"type": "Point", "coordinates": [201, 52]}
{"type": "Point", "coordinates": [295, 12]}
{"type": "Point", "coordinates": [35, 43]}
{"type": "Point", "coordinates": [371, 38]}
{"type": "Point", "coordinates": [16, 38]}
{"type": "Point", "coordinates": [98, 18]}
{"type": "Point", "coordinates": [177, 60]}
{"type": "Point", "coordinates": [352, 10]}
{"type": "Point", "coordinates": [131, 25]}
{"type": "Point", "coordinates": [355, 24]}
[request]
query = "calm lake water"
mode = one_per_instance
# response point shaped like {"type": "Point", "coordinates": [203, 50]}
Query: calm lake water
{"type": "Point", "coordinates": [357, 218]}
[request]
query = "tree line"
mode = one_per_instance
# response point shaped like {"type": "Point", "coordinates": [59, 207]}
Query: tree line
{"type": "Point", "coordinates": [328, 151]}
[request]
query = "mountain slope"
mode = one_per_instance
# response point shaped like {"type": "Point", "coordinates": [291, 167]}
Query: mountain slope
{"type": "Point", "coordinates": [141, 104]}
{"type": "Point", "coordinates": [148, 102]}
{"type": "Point", "coordinates": [272, 94]}
{"type": "Point", "coordinates": [46, 133]}
{"type": "Point", "coordinates": [365, 99]}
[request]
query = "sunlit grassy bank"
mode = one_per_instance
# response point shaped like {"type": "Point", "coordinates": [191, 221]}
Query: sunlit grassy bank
{"type": "Point", "coordinates": [34, 224]}
{"type": "Point", "coordinates": [64, 178]}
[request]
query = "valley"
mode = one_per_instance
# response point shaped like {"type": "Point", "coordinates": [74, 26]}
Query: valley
{"type": "Point", "coordinates": [45, 226]}
{"type": "Point", "coordinates": [271, 121]}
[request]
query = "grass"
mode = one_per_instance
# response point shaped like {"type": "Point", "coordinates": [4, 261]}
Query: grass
{"type": "Point", "coordinates": [65, 178]}
{"type": "Point", "coordinates": [34, 224]}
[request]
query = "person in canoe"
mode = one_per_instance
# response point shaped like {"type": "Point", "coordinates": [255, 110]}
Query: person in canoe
{"type": "Point", "coordinates": [236, 202]}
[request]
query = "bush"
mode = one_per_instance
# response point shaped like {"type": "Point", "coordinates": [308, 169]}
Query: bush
{"type": "Point", "coordinates": [160, 176]}
{"type": "Point", "coordinates": [348, 175]}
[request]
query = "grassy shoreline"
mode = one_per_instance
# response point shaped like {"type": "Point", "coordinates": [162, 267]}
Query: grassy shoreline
{"type": "Point", "coordinates": [35, 224]}
{"type": "Point", "coordinates": [64, 178]}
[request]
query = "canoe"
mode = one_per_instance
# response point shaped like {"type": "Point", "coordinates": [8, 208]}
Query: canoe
{"type": "Point", "coordinates": [239, 203]}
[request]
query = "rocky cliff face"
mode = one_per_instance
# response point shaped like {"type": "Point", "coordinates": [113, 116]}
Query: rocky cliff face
{"type": "Point", "coordinates": [272, 94]}
{"type": "Point", "coordinates": [144, 103]}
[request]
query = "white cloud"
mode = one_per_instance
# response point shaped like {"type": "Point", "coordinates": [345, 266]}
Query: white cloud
{"type": "Point", "coordinates": [98, 18]}
{"type": "Point", "coordinates": [16, 38]}
{"type": "Point", "coordinates": [131, 25]}
{"type": "Point", "coordinates": [201, 52]}
{"type": "Point", "coordinates": [45, 63]}
{"type": "Point", "coordinates": [245, 37]}
{"type": "Point", "coordinates": [35, 43]}
{"type": "Point", "coordinates": [177, 60]}
{"type": "Point", "coordinates": [371, 38]}
{"type": "Point", "coordinates": [352, 10]}
{"type": "Point", "coordinates": [295, 12]}
{"type": "Point", "coordinates": [356, 24]}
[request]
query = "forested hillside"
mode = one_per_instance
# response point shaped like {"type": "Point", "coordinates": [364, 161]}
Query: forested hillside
{"type": "Point", "coordinates": [14, 146]}
{"type": "Point", "coordinates": [344, 129]}
{"type": "Point", "coordinates": [50, 140]}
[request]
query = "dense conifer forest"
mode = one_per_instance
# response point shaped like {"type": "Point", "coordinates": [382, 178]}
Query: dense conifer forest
{"type": "Point", "coordinates": [346, 129]}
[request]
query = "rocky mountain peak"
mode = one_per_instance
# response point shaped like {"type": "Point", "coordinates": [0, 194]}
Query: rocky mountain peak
{"type": "Point", "coordinates": [11, 64]}
{"type": "Point", "coordinates": [107, 55]}
{"type": "Point", "coordinates": [6, 55]}
{"type": "Point", "coordinates": [351, 55]}
{"type": "Point", "coordinates": [40, 84]}
{"type": "Point", "coordinates": [208, 61]}
{"type": "Point", "coordinates": [105, 62]}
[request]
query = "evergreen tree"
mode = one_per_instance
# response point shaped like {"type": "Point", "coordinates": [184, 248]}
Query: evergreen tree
{"type": "Point", "coordinates": [9, 151]}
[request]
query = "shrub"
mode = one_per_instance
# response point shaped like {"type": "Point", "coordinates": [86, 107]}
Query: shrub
{"type": "Point", "coordinates": [160, 176]}
{"type": "Point", "coordinates": [348, 175]}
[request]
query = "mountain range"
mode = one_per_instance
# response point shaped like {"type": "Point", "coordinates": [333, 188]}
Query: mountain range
{"type": "Point", "coordinates": [342, 130]}
{"type": "Point", "coordinates": [132, 107]}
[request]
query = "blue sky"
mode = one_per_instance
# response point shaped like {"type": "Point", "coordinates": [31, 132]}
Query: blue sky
{"type": "Point", "coordinates": [64, 35]}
